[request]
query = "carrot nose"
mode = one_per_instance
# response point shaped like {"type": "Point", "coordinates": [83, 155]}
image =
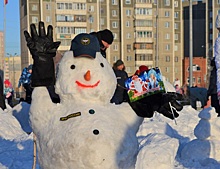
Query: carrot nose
{"type": "Point", "coordinates": [87, 76]}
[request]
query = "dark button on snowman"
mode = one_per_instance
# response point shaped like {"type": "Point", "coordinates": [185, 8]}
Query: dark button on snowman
{"type": "Point", "coordinates": [102, 135]}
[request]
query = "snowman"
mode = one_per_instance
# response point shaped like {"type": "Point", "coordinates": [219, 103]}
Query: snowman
{"type": "Point", "coordinates": [84, 130]}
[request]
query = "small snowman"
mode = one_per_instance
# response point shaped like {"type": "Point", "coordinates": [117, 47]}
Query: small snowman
{"type": "Point", "coordinates": [84, 130]}
{"type": "Point", "coordinates": [206, 145]}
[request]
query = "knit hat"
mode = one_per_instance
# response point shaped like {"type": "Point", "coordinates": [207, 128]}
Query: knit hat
{"type": "Point", "coordinates": [143, 68]}
{"type": "Point", "coordinates": [107, 36]}
{"type": "Point", "coordinates": [7, 82]}
{"type": "Point", "coordinates": [85, 45]}
{"type": "Point", "coordinates": [30, 67]}
{"type": "Point", "coordinates": [119, 62]}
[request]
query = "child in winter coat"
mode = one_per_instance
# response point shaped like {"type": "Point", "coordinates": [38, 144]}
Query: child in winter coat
{"type": "Point", "coordinates": [25, 81]}
{"type": "Point", "coordinates": [8, 92]}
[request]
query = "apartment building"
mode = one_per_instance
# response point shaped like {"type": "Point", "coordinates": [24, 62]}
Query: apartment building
{"type": "Point", "coordinates": [204, 34]}
{"type": "Point", "coordinates": [145, 32]}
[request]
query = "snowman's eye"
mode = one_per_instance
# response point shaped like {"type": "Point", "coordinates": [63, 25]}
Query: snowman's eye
{"type": "Point", "coordinates": [72, 67]}
{"type": "Point", "coordinates": [101, 64]}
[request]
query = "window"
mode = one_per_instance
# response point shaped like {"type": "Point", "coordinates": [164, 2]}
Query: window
{"type": "Point", "coordinates": [65, 29]}
{"type": "Point", "coordinates": [129, 48]}
{"type": "Point", "coordinates": [34, 19]}
{"type": "Point", "coordinates": [91, 19]}
{"type": "Point", "coordinates": [175, 3]}
{"type": "Point", "coordinates": [144, 34]}
{"type": "Point", "coordinates": [80, 18]}
{"type": "Point", "coordinates": [102, 21]}
{"type": "Point", "coordinates": [176, 59]}
{"type": "Point", "coordinates": [80, 30]}
{"type": "Point", "coordinates": [167, 69]}
{"type": "Point", "coordinates": [115, 24]}
{"type": "Point", "coordinates": [114, 2]}
{"type": "Point", "coordinates": [144, 57]}
{"type": "Point", "coordinates": [128, 36]}
{"type": "Point", "coordinates": [64, 18]}
{"type": "Point", "coordinates": [143, 11]}
{"type": "Point", "coordinates": [48, 7]}
{"type": "Point", "coordinates": [175, 48]}
{"type": "Point", "coordinates": [176, 14]}
{"type": "Point", "coordinates": [167, 13]}
{"type": "Point", "coordinates": [144, 23]}
{"type": "Point", "coordinates": [78, 6]}
{"type": "Point", "coordinates": [176, 36]}
{"type": "Point", "coordinates": [199, 80]}
{"type": "Point", "coordinates": [91, 9]}
{"type": "Point", "coordinates": [63, 6]}
{"type": "Point", "coordinates": [195, 68]}
{"type": "Point", "coordinates": [115, 47]}
{"type": "Point", "coordinates": [128, 24]}
{"type": "Point", "coordinates": [127, 1]}
{"type": "Point", "coordinates": [167, 58]}
{"type": "Point", "coordinates": [129, 58]}
{"type": "Point", "coordinates": [218, 1]}
{"type": "Point", "coordinates": [167, 2]}
{"type": "Point", "coordinates": [128, 12]}
{"type": "Point", "coordinates": [115, 35]}
{"type": "Point", "coordinates": [114, 13]}
{"type": "Point", "coordinates": [115, 58]}
{"type": "Point", "coordinates": [48, 19]}
{"type": "Point", "coordinates": [167, 24]}
{"type": "Point", "coordinates": [167, 36]}
{"type": "Point", "coordinates": [34, 8]}
{"type": "Point", "coordinates": [167, 47]}
{"type": "Point", "coordinates": [176, 26]}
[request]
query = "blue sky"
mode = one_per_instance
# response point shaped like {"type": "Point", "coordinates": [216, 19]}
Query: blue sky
{"type": "Point", "coordinates": [12, 26]}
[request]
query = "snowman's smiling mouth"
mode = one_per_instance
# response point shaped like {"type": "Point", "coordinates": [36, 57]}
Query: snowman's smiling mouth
{"type": "Point", "coordinates": [86, 85]}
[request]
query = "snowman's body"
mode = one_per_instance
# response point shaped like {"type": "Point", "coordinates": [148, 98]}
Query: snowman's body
{"type": "Point", "coordinates": [98, 134]}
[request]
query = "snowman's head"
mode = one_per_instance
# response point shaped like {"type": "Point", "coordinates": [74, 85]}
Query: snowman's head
{"type": "Point", "coordinates": [84, 74]}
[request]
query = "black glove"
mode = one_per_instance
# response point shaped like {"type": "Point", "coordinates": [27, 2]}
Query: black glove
{"type": "Point", "coordinates": [170, 101]}
{"type": "Point", "coordinates": [146, 107]}
{"type": "Point", "coordinates": [42, 49]}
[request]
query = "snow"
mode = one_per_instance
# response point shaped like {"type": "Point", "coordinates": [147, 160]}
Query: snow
{"type": "Point", "coordinates": [162, 143]}
{"type": "Point", "coordinates": [96, 134]}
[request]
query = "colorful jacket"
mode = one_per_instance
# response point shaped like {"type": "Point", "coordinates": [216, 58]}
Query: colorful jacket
{"type": "Point", "coordinates": [25, 77]}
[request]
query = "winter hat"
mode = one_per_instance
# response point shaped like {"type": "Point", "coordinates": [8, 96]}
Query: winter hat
{"type": "Point", "coordinates": [119, 62]}
{"type": "Point", "coordinates": [107, 36]}
{"type": "Point", "coordinates": [85, 45]}
{"type": "Point", "coordinates": [217, 21]}
{"type": "Point", "coordinates": [7, 82]}
{"type": "Point", "coordinates": [143, 68]}
{"type": "Point", "coordinates": [30, 67]}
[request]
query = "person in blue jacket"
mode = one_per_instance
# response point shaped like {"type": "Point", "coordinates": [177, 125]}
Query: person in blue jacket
{"type": "Point", "coordinates": [25, 81]}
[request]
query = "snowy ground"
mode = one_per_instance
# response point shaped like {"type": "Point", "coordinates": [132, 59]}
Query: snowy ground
{"type": "Point", "coordinates": [164, 144]}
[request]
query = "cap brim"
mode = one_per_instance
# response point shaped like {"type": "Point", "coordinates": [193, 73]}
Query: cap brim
{"type": "Point", "coordinates": [84, 52]}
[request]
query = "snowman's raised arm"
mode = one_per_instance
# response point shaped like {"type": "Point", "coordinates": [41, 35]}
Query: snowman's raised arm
{"type": "Point", "coordinates": [42, 49]}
